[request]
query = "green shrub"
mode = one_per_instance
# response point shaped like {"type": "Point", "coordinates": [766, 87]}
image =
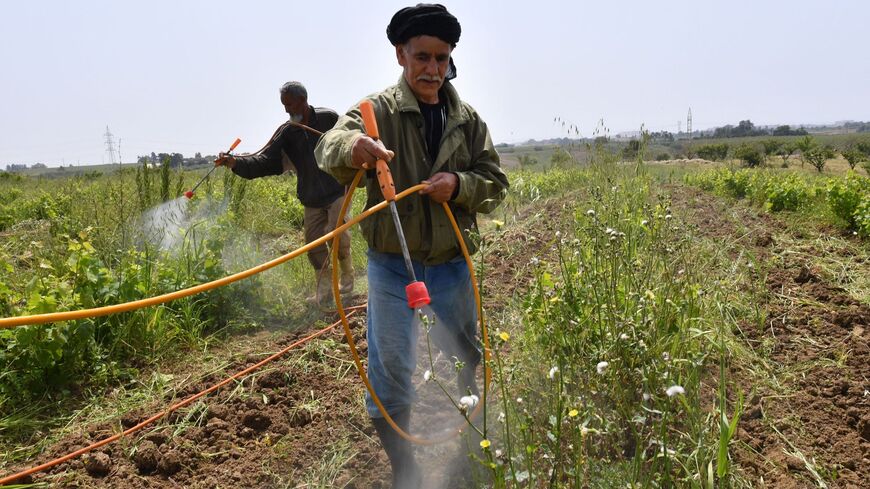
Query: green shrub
{"type": "Point", "coordinates": [847, 196]}
{"type": "Point", "coordinates": [862, 218]}
{"type": "Point", "coordinates": [818, 156]}
{"type": "Point", "coordinates": [749, 155]}
{"type": "Point", "coordinates": [713, 152]}
{"type": "Point", "coordinates": [788, 193]}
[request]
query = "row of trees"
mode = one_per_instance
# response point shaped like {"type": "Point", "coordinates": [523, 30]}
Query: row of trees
{"type": "Point", "coordinates": [747, 128]}
{"type": "Point", "coordinates": [808, 148]}
{"type": "Point", "coordinates": [176, 160]}
{"type": "Point", "coordinates": [13, 167]}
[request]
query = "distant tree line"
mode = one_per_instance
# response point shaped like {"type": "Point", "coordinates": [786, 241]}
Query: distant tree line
{"type": "Point", "coordinates": [747, 128]}
{"type": "Point", "coordinates": [857, 126]}
{"type": "Point", "coordinates": [176, 160]}
{"type": "Point", "coordinates": [810, 150]}
{"type": "Point", "coordinates": [13, 167]}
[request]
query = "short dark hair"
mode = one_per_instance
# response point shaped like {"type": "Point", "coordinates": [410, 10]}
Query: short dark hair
{"type": "Point", "coordinates": [294, 89]}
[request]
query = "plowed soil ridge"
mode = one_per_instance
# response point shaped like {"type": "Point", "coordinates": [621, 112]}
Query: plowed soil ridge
{"type": "Point", "coordinates": [811, 426]}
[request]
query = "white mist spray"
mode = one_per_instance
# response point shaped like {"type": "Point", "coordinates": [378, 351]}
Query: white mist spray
{"type": "Point", "coordinates": [166, 225]}
{"type": "Point", "coordinates": [438, 410]}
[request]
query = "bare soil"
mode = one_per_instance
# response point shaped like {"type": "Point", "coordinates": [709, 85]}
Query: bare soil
{"type": "Point", "coordinates": [815, 339]}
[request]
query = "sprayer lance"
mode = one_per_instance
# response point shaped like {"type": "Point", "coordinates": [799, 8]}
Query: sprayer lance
{"type": "Point", "coordinates": [416, 290]}
{"type": "Point", "coordinates": [189, 193]}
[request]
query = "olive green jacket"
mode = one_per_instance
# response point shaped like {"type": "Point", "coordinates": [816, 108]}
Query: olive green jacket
{"type": "Point", "coordinates": [466, 150]}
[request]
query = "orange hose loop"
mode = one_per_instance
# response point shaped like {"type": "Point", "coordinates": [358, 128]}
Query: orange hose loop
{"type": "Point", "coordinates": [170, 409]}
{"type": "Point", "coordinates": [487, 372]}
{"type": "Point", "coordinates": [171, 296]}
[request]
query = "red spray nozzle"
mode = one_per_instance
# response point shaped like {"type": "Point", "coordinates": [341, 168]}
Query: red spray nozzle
{"type": "Point", "coordinates": [417, 295]}
{"type": "Point", "coordinates": [189, 194]}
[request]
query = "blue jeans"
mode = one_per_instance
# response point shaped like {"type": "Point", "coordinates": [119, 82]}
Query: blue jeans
{"type": "Point", "coordinates": [393, 331]}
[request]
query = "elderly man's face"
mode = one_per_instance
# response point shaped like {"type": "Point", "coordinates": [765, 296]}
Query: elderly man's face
{"type": "Point", "coordinates": [425, 60]}
{"type": "Point", "coordinates": [296, 107]}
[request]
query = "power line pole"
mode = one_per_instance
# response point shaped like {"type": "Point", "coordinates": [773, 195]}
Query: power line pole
{"type": "Point", "coordinates": [689, 123]}
{"type": "Point", "coordinates": [110, 145]}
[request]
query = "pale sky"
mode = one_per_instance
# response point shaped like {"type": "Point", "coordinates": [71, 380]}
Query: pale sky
{"type": "Point", "coordinates": [188, 76]}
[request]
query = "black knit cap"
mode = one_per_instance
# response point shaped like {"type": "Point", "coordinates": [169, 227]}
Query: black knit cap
{"type": "Point", "coordinates": [424, 19]}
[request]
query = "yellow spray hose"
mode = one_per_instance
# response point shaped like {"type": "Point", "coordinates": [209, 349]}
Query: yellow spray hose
{"type": "Point", "coordinates": [334, 235]}
{"type": "Point", "coordinates": [356, 358]}
{"type": "Point", "coordinates": [12, 322]}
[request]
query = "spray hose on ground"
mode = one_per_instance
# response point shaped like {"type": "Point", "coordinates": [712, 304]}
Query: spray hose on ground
{"type": "Point", "coordinates": [170, 409]}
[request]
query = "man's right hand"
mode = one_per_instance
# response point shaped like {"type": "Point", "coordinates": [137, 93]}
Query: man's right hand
{"type": "Point", "coordinates": [225, 159]}
{"type": "Point", "coordinates": [365, 152]}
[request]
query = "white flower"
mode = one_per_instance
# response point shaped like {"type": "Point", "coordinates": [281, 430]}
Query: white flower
{"type": "Point", "coordinates": [590, 213]}
{"type": "Point", "coordinates": [646, 396]}
{"type": "Point", "coordinates": [609, 231]}
{"type": "Point", "coordinates": [427, 375]}
{"type": "Point", "coordinates": [601, 367]}
{"type": "Point", "coordinates": [519, 400]}
{"type": "Point", "coordinates": [644, 222]}
{"type": "Point", "coordinates": [553, 372]}
{"type": "Point", "coordinates": [623, 336]}
{"type": "Point", "coordinates": [534, 261]}
{"type": "Point", "coordinates": [501, 417]}
{"type": "Point", "coordinates": [666, 356]}
{"type": "Point", "coordinates": [558, 234]}
{"type": "Point", "coordinates": [668, 217]}
{"type": "Point", "coordinates": [468, 402]}
{"type": "Point", "coordinates": [675, 390]}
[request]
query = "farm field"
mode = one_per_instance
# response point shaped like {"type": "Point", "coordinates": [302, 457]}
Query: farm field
{"type": "Point", "coordinates": [654, 324]}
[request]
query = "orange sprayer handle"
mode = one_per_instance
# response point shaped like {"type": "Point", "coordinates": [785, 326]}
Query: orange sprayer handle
{"type": "Point", "coordinates": [385, 178]}
{"type": "Point", "coordinates": [235, 143]}
{"type": "Point", "coordinates": [368, 114]}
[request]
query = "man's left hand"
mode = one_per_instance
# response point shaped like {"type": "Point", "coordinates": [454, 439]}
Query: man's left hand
{"type": "Point", "coordinates": [440, 186]}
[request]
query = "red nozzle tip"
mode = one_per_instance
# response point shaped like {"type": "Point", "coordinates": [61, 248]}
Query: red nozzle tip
{"type": "Point", "coordinates": [417, 295]}
{"type": "Point", "coordinates": [189, 194]}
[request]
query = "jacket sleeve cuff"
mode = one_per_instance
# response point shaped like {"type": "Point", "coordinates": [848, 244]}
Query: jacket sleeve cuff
{"type": "Point", "coordinates": [347, 151]}
{"type": "Point", "coordinates": [456, 189]}
{"type": "Point", "coordinates": [463, 189]}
